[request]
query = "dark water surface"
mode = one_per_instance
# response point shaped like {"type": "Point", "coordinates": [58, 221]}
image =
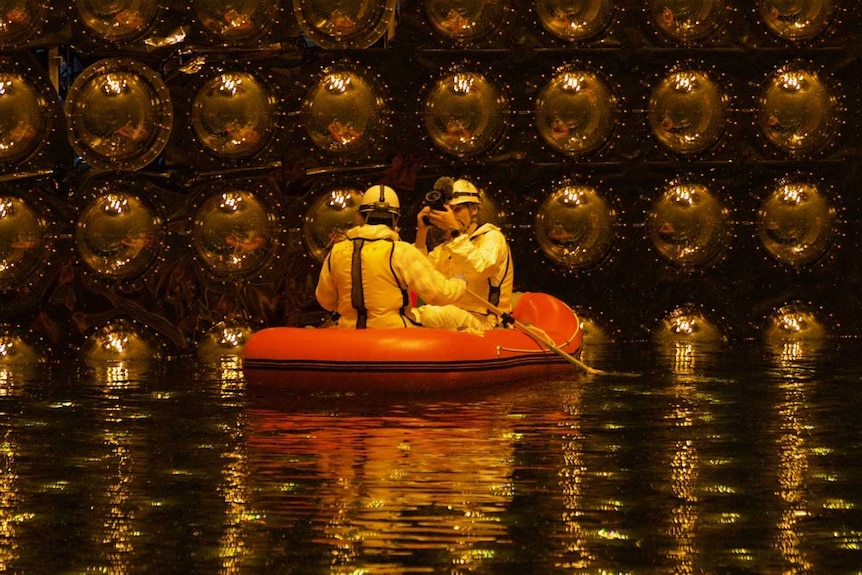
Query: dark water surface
{"type": "Point", "coordinates": [744, 460]}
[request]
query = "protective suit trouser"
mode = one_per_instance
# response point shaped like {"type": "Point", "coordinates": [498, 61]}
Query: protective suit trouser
{"type": "Point", "coordinates": [453, 317]}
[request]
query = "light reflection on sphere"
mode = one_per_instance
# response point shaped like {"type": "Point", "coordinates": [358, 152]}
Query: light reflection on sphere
{"type": "Point", "coordinates": [235, 22]}
{"type": "Point", "coordinates": [16, 349]}
{"type": "Point", "coordinates": [688, 20]}
{"type": "Point", "coordinates": [465, 114]}
{"type": "Point", "coordinates": [493, 210]}
{"type": "Point", "coordinates": [118, 235]}
{"type": "Point", "coordinates": [688, 225]}
{"type": "Point", "coordinates": [575, 112]}
{"type": "Point", "coordinates": [22, 21]}
{"type": "Point", "coordinates": [594, 333]}
{"type": "Point", "coordinates": [333, 213]}
{"type": "Point", "coordinates": [792, 322]}
{"type": "Point", "coordinates": [233, 115]}
{"type": "Point", "coordinates": [343, 112]}
{"type": "Point", "coordinates": [23, 243]}
{"type": "Point", "coordinates": [226, 339]}
{"type": "Point", "coordinates": [687, 324]}
{"type": "Point", "coordinates": [687, 111]}
{"type": "Point", "coordinates": [336, 24]}
{"type": "Point", "coordinates": [574, 20]}
{"type": "Point", "coordinates": [796, 20]}
{"type": "Point", "coordinates": [465, 21]}
{"type": "Point", "coordinates": [121, 340]}
{"type": "Point", "coordinates": [575, 227]}
{"type": "Point", "coordinates": [232, 233]}
{"type": "Point", "coordinates": [24, 117]}
{"type": "Point", "coordinates": [797, 113]}
{"type": "Point", "coordinates": [795, 224]}
{"type": "Point", "coordinates": [119, 114]}
{"type": "Point", "coordinates": [118, 21]}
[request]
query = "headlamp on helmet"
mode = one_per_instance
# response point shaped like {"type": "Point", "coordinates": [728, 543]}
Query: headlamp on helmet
{"type": "Point", "coordinates": [464, 192]}
{"type": "Point", "coordinates": [380, 199]}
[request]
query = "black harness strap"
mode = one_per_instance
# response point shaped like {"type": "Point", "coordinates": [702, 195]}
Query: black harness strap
{"type": "Point", "coordinates": [405, 295]}
{"type": "Point", "coordinates": [357, 296]}
{"type": "Point", "coordinates": [494, 293]}
{"type": "Point", "coordinates": [495, 290]}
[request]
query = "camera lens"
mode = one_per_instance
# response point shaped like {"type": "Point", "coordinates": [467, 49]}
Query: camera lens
{"type": "Point", "coordinates": [434, 199]}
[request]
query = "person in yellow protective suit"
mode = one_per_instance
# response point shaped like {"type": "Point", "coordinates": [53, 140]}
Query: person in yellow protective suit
{"type": "Point", "coordinates": [477, 253]}
{"type": "Point", "coordinates": [367, 277]}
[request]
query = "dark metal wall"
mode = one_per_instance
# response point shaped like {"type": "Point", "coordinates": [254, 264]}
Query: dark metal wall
{"type": "Point", "coordinates": [196, 269]}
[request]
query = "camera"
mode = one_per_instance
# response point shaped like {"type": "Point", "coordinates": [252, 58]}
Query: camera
{"type": "Point", "coordinates": [437, 201]}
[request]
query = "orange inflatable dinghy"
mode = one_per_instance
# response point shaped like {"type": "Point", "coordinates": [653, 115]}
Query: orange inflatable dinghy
{"type": "Point", "coordinates": [415, 359]}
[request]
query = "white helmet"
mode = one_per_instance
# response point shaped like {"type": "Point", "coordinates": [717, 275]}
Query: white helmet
{"type": "Point", "coordinates": [463, 192]}
{"type": "Point", "coordinates": [380, 199]}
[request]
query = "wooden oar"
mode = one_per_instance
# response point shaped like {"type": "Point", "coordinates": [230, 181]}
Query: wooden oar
{"type": "Point", "coordinates": [537, 335]}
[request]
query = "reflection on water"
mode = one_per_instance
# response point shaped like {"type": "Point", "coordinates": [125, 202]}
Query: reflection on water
{"type": "Point", "coordinates": [715, 460]}
{"type": "Point", "coordinates": [435, 479]}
